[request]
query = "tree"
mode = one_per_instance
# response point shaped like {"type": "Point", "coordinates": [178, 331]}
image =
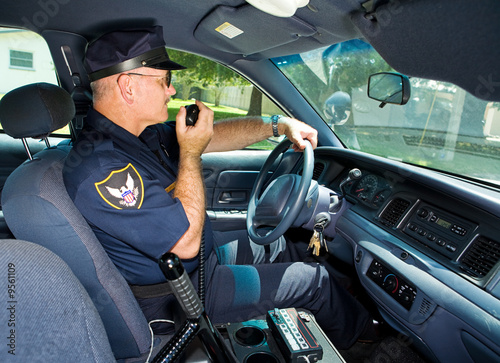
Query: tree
{"type": "Point", "coordinates": [344, 66]}
{"type": "Point", "coordinates": [188, 78]}
{"type": "Point", "coordinates": [255, 108]}
{"type": "Point", "coordinates": [204, 73]}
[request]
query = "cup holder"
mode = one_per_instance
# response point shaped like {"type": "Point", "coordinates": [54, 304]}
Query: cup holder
{"type": "Point", "coordinates": [261, 357]}
{"type": "Point", "coordinates": [249, 336]}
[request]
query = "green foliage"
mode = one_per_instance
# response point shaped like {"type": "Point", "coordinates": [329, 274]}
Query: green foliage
{"type": "Point", "coordinates": [342, 67]}
{"type": "Point", "coordinates": [203, 73]}
{"type": "Point", "coordinates": [220, 113]}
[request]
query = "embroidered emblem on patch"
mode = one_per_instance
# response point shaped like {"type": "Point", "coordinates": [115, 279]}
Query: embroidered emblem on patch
{"type": "Point", "coordinates": [122, 189]}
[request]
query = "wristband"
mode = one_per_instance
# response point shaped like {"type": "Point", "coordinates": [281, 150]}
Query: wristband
{"type": "Point", "coordinates": [274, 120]}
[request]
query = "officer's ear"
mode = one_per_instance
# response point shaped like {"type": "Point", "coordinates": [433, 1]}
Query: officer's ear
{"type": "Point", "coordinates": [125, 85]}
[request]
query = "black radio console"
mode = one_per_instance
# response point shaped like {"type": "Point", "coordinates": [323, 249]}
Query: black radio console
{"type": "Point", "coordinates": [284, 336]}
{"type": "Point", "coordinates": [441, 231]}
{"type": "Point", "coordinates": [294, 338]}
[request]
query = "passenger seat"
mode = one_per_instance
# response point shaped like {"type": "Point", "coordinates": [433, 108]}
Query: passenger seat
{"type": "Point", "coordinates": [37, 208]}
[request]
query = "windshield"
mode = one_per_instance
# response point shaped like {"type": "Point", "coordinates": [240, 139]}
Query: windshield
{"type": "Point", "coordinates": [441, 127]}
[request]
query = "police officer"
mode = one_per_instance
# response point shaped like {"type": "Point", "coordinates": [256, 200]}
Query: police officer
{"type": "Point", "coordinates": [139, 184]}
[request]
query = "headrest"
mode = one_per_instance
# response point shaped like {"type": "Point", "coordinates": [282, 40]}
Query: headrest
{"type": "Point", "coordinates": [35, 110]}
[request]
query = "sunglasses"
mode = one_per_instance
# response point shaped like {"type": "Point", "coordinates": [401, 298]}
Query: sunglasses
{"type": "Point", "coordinates": [167, 77]}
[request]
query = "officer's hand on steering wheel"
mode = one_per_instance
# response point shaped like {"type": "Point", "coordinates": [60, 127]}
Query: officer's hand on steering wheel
{"type": "Point", "coordinates": [297, 131]}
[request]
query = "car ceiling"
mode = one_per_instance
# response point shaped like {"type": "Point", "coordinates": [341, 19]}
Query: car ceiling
{"type": "Point", "coordinates": [449, 40]}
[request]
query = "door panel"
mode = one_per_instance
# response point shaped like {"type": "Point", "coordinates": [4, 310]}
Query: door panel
{"type": "Point", "coordinates": [229, 180]}
{"type": "Point", "coordinates": [229, 177]}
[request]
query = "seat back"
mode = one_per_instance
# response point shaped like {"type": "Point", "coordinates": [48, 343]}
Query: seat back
{"type": "Point", "coordinates": [49, 316]}
{"type": "Point", "coordinates": [37, 208]}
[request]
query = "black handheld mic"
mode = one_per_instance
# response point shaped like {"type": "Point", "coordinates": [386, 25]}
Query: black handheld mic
{"type": "Point", "coordinates": [192, 112]}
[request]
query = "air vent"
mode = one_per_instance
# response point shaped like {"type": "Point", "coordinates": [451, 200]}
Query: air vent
{"type": "Point", "coordinates": [394, 211]}
{"type": "Point", "coordinates": [425, 307]}
{"type": "Point", "coordinates": [481, 257]}
{"type": "Point", "coordinates": [318, 170]}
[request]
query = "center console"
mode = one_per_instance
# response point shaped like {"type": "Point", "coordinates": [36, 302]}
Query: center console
{"type": "Point", "coordinates": [284, 336]}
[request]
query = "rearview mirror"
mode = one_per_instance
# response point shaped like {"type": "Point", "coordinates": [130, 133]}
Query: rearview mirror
{"type": "Point", "coordinates": [388, 87]}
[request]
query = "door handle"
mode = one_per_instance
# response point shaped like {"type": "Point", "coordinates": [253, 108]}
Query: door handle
{"type": "Point", "coordinates": [232, 197]}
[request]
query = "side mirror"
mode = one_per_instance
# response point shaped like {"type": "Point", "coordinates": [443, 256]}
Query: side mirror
{"type": "Point", "coordinates": [388, 87]}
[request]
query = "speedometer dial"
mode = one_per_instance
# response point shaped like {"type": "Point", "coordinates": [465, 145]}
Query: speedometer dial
{"type": "Point", "coordinates": [366, 188]}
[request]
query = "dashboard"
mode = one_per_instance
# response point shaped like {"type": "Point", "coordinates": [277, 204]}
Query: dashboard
{"type": "Point", "coordinates": [426, 247]}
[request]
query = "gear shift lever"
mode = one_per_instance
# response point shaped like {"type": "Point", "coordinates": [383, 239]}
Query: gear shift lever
{"type": "Point", "coordinates": [354, 174]}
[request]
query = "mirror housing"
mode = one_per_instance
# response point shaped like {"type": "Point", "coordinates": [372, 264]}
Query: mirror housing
{"type": "Point", "coordinates": [389, 87]}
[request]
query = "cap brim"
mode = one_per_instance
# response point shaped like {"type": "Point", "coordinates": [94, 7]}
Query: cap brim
{"type": "Point", "coordinates": [166, 65]}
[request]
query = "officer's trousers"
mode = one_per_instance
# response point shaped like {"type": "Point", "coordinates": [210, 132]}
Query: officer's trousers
{"type": "Point", "coordinates": [244, 281]}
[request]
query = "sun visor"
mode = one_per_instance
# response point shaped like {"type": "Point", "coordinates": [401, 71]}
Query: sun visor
{"type": "Point", "coordinates": [453, 41]}
{"type": "Point", "coordinates": [246, 30]}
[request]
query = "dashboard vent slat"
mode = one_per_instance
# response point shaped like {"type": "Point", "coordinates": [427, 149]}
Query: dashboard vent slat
{"type": "Point", "coordinates": [318, 170]}
{"type": "Point", "coordinates": [481, 257]}
{"type": "Point", "coordinates": [394, 211]}
{"type": "Point", "coordinates": [425, 307]}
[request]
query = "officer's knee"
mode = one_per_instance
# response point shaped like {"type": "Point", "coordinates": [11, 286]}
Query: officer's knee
{"type": "Point", "coordinates": [300, 279]}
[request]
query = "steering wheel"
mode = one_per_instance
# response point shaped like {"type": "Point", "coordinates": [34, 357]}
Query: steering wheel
{"type": "Point", "coordinates": [272, 212]}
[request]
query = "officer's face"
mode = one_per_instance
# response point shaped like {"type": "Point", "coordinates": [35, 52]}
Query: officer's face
{"type": "Point", "coordinates": [156, 92]}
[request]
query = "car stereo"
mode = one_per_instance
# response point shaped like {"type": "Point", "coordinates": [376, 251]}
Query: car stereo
{"type": "Point", "coordinates": [441, 231]}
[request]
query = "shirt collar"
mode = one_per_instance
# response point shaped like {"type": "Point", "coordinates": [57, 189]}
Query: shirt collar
{"type": "Point", "coordinates": [118, 134]}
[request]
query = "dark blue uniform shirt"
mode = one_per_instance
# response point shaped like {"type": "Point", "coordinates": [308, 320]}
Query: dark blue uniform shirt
{"type": "Point", "coordinates": [123, 186]}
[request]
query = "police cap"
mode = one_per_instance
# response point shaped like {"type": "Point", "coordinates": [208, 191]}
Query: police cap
{"type": "Point", "coordinates": [124, 50]}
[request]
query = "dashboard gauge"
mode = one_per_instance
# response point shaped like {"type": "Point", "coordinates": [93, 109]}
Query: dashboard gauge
{"type": "Point", "coordinates": [366, 187]}
{"type": "Point", "coordinates": [380, 197]}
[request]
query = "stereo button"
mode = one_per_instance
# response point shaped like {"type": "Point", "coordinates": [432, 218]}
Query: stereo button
{"type": "Point", "coordinates": [451, 248]}
{"type": "Point", "coordinates": [441, 242]}
{"type": "Point", "coordinates": [422, 232]}
{"type": "Point", "coordinates": [423, 213]}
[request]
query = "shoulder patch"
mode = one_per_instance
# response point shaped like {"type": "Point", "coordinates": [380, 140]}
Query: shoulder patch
{"type": "Point", "coordinates": [122, 189]}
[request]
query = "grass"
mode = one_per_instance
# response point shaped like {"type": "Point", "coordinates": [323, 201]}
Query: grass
{"type": "Point", "coordinates": [220, 112]}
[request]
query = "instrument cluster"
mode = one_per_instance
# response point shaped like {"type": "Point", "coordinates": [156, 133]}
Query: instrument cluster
{"type": "Point", "coordinates": [372, 190]}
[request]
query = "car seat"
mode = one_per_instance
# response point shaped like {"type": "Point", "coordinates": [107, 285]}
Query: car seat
{"type": "Point", "coordinates": [47, 314]}
{"type": "Point", "coordinates": [37, 208]}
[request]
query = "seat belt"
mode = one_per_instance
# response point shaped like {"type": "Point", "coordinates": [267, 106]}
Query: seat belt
{"type": "Point", "coordinates": [151, 291]}
{"type": "Point", "coordinates": [81, 96]}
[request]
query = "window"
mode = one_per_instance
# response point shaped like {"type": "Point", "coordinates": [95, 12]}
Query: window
{"type": "Point", "coordinates": [224, 91]}
{"type": "Point", "coordinates": [25, 58]}
{"type": "Point", "coordinates": [442, 127]}
{"type": "Point", "coordinates": [20, 59]}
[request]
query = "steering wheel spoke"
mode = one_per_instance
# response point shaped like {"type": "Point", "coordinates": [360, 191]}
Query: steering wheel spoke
{"type": "Point", "coordinates": [282, 200]}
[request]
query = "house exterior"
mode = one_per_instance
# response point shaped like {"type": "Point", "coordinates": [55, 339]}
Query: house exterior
{"type": "Point", "coordinates": [24, 58]}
